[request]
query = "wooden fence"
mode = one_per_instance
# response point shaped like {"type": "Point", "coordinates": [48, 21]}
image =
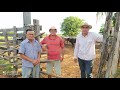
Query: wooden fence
{"type": "Point", "coordinates": [9, 45]}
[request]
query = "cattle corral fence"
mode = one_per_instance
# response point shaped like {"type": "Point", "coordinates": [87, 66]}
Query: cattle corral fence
{"type": "Point", "coordinates": [10, 40]}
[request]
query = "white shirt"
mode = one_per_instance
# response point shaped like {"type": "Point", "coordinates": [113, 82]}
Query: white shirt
{"type": "Point", "coordinates": [85, 46]}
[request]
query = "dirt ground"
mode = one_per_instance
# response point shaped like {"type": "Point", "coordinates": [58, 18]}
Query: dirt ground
{"type": "Point", "coordinates": [69, 68]}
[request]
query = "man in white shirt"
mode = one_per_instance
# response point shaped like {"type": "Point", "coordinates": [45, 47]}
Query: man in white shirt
{"type": "Point", "coordinates": [84, 50]}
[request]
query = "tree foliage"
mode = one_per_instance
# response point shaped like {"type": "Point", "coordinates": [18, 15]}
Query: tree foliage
{"type": "Point", "coordinates": [113, 23]}
{"type": "Point", "coordinates": [71, 26]}
{"type": "Point", "coordinates": [102, 28]}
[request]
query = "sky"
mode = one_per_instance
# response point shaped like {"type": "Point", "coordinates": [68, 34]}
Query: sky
{"type": "Point", "coordinates": [48, 19]}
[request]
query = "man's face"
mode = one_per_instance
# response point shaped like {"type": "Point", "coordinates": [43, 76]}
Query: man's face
{"type": "Point", "coordinates": [30, 35]}
{"type": "Point", "coordinates": [53, 31]}
{"type": "Point", "coordinates": [85, 29]}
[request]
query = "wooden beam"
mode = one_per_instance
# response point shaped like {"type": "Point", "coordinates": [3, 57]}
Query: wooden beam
{"type": "Point", "coordinates": [20, 29]}
{"type": "Point", "coordinates": [36, 28]}
{"type": "Point", "coordinates": [46, 61]}
{"type": "Point", "coordinates": [53, 75]}
{"type": "Point", "coordinates": [10, 64]}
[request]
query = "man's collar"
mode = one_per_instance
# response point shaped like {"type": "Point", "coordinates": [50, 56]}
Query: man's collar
{"type": "Point", "coordinates": [27, 40]}
{"type": "Point", "coordinates": [50, 37]}
{"type": "Point", "coordinates": [85, 36]}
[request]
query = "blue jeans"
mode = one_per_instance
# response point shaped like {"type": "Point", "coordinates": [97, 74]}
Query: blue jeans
{"type": "Point", "coordinates": [27, 71]}
{"type": "Point", "coordinates": [86, 68]}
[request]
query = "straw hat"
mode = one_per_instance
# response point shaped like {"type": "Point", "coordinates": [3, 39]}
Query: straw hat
{"type": "Point", "coordinates": [86, 24]}
{"type": "Point", "coordinates": [53, 28]}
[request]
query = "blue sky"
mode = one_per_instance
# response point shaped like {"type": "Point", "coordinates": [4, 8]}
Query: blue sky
{"type": "Point", "coordinates": [48, 19]}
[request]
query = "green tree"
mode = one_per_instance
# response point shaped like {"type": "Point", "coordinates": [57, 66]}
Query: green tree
{"type": "Point", "coordinates": [102, 28]}
{"type": "Point", "coordinates": [110, 47]}
{"type": "Point", "coordinates": [71, 26]}
{"type": "Point", "coordinates": [113, 22]}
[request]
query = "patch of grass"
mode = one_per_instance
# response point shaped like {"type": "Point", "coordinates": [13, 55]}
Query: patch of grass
{"type": "Point", "coordinates": [7, 67]}
{"type": "Point", "coordinates": [9, 38]}
{"type": "Point", "coordinates": [2, 37]}
{"type": "Point", "coordinates": [2, 43]}
{"type": "Point", "coordinates": [117, 75]}
{"type": "Point", "coordinates": [11, 32]}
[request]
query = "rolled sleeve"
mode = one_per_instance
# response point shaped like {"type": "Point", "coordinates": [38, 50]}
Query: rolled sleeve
{"type": "Point", "coordinates": [43, 41]}
{"type": "Point", "coordinates": [22, 49]}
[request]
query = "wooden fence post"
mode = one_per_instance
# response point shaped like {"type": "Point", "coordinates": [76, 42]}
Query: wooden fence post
{"type": "Point", "coordinates": [26, 21]}
{"type": "Point", "coordinates": [36, 28]}
{"type": "Point", "coordinates": [15, 40]}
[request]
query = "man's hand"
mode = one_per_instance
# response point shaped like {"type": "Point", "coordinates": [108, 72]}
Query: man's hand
{"type": "Point", "coordinates": [75, 60]}
{"type": "Point", "coordinates": [44, 47]}
{"type": "Point", "coordinates": [35, 62]}
{"type": "Point", "coordinates": [38, 61]}
{"type": "Point", "coordinates": [62, 57]}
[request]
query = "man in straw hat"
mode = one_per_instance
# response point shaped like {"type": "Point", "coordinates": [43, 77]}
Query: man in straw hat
{"type": "Point", "coordinates": [84, 50]}
{"type": "Point", "coordinates": [55, 49]}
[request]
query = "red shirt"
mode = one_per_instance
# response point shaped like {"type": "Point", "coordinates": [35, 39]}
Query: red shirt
{"type": "Point", "coordinates": [54, 47]}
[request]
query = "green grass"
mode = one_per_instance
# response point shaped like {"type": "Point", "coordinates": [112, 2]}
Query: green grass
{"type": "Point", "coordinates": [4, 62]}
{"type": "Point", "coordinates": [7, 67]}
{"type": "Point", "coordinates": [117, 75]}
{"type": "Point", "coordinates": [9, 38]}
{"type": "Point", "coordinates": [2, 43]}
{"type": "Point", "coordinates": [1, 37]}
{"type": "Point", "coordinates": [11, 32]}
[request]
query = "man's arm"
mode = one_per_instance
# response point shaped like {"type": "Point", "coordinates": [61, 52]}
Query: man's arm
{"type": "Point", "coordinates": [76, 50]}
{"type": "Point", "coordinates": [25, 57]}
{"type": "Point", "coordinates": [62, 52]}
{"type": "Point", "coordinates": [28, 59]}
{"type": "Point", "coordinates": [62, 48]}
{"type": "Point", "coordinates": [98, 37]}
{"type": "Point", "coordinates": [39, 54]}
{"type": "Point", "coordinates": [22, 53]}
{"type": "Point", "coordinates": [38, 58]}
{"type": "Point", "coordinates": [42, 43]}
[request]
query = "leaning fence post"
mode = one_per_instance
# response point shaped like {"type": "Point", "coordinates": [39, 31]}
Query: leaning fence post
{"type": "Point", "coordinates": [14, 40]}
{"type": "Point", "coordinates": [36, 28]}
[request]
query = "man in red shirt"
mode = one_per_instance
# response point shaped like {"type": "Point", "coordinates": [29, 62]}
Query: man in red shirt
{"type": "Point", "coordinates": [55, 49]}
